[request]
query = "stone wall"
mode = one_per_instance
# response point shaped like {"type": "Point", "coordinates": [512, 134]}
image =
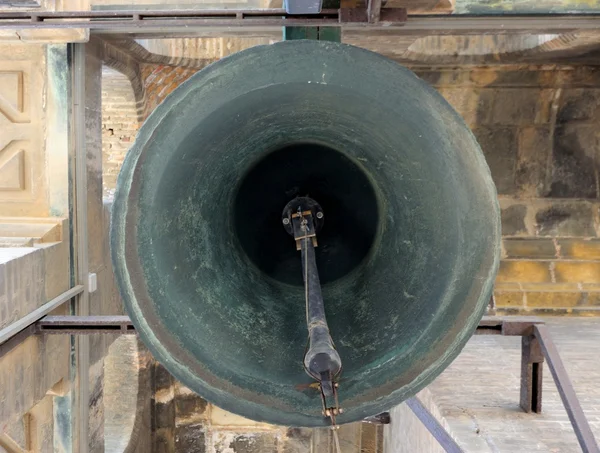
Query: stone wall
{"type": "Point", "coordinates": [538, 128]}
{"type": "Point", "coordinates": [119, 125]}
{"type": "Point", "coordinates": [183, 422]}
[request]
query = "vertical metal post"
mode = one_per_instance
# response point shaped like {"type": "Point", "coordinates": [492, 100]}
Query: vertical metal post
{"type": "Point", "coordinates": [81, 395]}
{"type": "Point", "coordinates": [566, 391]}
{"type": "Point", "coordinates": [532, 367]}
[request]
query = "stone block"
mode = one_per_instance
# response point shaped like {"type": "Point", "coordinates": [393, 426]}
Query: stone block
{"type": "Point", "coordinates": [431, 77]}
{"type": "Point", "coordinates": [550, 286]}
{"type": "Point", "coordinates": [190, 439]}
{"type": "Point", "coordinates": [162, 378]}
{"type": "Point", "coordinates": [499, 146]}
{"type": "Point", "coordinates": [524, 271]}
{"type": "Point", "coordinates": [298, 440]}
{"type": "Point", "coordinates": [531, 248]}
{"type": "Point", "coordinates": [579, 249]}
{"type": "Point", "coordinates": [473, 105]}
{"type": "Point", "coordinates": [220, 417]}
{"type": "Point", "coordinates": [520, 107]}
{"type": "Point", "coordinates": [513, 220]}
{"type": "Point", "coordinates": [591, 299]}
{"type": "Point", "coordinates": [534, 149]}
{"type": "Point", "coordinates": [247, 442]}
{"type": "Point", "coordinates": [519, 79]}
{"type": "Point", "coordinates": [163, 445]}
{"type": "Point", "coordinates": [566, 219]}
{"type": "Point", "coordinates": [579, 104]}
{"type": "Point", "coordinates": [164, 414]}
{"type": "Point", "coordinates": [553, 299]}
{"type": "Point", "coordinates": [255, 443]}
{"type": "Point", "coordinates": [371, 438]}
{"type": "Point", "coordinates": [577, 271]}
{"type": "Point", "coordinates": [189, 408]}
{"type": "Point", "coordinates": [573, 161]}
{"type": "Point", "coordinates": [21, 283]}
{"type": "Point", "coordinates": [504, 299]}
{"type": "Point", "coordinates": [484, 76]}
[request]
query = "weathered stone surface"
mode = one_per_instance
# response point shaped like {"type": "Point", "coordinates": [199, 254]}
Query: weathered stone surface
{"type": "Point", "coordinates": [190, 406]}
{"type": "Point", "coordinates": [514, 106]}
{"type": "Point", "coordinates": [530, 248]}
{"type": "Point", "coordinates": [190, 439]}
{"type": "Point", "coordinates": [534, 149]}
{"type": "Point", "coordinates": [574, 167]}
{"type": "Point", "coordinates": [579, 249]}
{"type": "Point", "coordinates": [579, 104]}
{"type": "Point", "coordinates": [253, 443]}
{"type": "Point", "coordinates": [510, 299]}
{"type": "Point", "coordinates": [513, 220]}
{"type": "Point", "coordinates": [298, 440]}
{"type": "Point", "coordinates": [520, 270]}
{"type": "Point", "coordinates": [164, 413]}
{"type": "Point", "coordinates": [162, 378]}
{"type": "Point", "coordinates": [499, 145]}
{"type": "Point", "coordinates": [566, 219]}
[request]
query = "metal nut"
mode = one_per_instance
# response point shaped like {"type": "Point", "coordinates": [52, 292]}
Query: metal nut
{"type": "Point", "coordinates": [286, 221]}
{"type": "Point", "coordinates": [319, 215]}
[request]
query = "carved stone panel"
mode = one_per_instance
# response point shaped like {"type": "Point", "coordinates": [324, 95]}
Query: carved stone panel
{"type": "Point", "coordinates": [22, 148]}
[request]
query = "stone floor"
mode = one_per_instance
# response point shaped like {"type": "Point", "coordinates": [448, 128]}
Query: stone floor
{"type": "Point", "coordinates": [477, 397]}
{"type": "Point", "coordinates": [479, 394]}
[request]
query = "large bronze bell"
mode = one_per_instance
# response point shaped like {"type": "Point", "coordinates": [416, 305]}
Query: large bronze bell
{"type": "Point", "coordinates": [406, 255]}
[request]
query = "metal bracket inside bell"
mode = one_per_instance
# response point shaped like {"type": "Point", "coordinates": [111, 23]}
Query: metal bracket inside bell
{"type": "Point", "coordinates": [303, 218]}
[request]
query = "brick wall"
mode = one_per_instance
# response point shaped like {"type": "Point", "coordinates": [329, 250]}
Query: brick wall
{"type": "Point", "coordinates": [119, 125]}
{"type": "Point", "coordinates": [161, 80]}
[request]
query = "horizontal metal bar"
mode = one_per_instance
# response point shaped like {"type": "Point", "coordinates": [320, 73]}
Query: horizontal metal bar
{"type": "Point", "coordinates": [123, 20]}
{"type": "Point", "coordinates": [27, 320]}
{"type": "Point", "coordinates": [188, 22]}
{"type": "Point", "coordinates": [85, 325]}
{"type": "Point", "coordinates": [582, 429]}
{"type": "Point", "coordinates": [433, 426]}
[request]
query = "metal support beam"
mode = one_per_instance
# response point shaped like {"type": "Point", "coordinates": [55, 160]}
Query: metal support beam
{"type": "Point", "coordinates": [392, 21]}
{"type": "Point", "coordinates": [433, 426]}
{"type": "Point", "coordinates": [134, 20]}
{"type": "Point", "coordinates": [537, 345]}
{"type": "Point", "coordinates": [80, 409]}
{"type": "Point", "coordinates": [85, 325]}
{"type": "Point", "coordinates": [532, 367]}
{"type": "Point", "coordinates": [566, 391]}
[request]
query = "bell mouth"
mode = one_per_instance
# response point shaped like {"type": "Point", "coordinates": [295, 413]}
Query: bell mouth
{"type": "Point", "coordinates": [228, 320]}
{"type": "Point", "coordinates": [335, 181]}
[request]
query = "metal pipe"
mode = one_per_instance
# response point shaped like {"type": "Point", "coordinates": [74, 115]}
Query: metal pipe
{"type": "Point", "coordinates": [13, 329]}
{"type": "Point", "coordinates": [321, 360]}
{"type": "Point", "coordinates": [81, 410]}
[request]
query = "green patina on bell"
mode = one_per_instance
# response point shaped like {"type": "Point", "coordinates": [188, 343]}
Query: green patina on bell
{"type": "Point", "coordinates": [407, 253]}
